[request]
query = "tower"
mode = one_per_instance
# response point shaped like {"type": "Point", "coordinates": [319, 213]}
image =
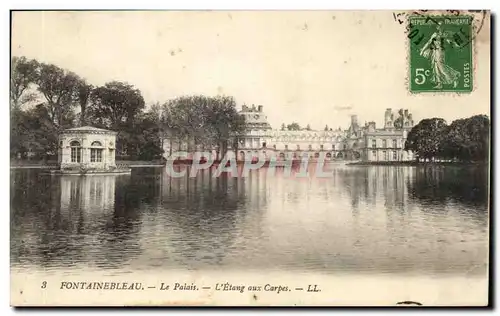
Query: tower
{"type": "Point", "coordinates": [388, 122]}
{"type": "Point", "coordinates": [354, 120]}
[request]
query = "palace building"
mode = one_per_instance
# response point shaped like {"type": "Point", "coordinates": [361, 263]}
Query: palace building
{"type": "Point", "coordinates": [358, 142]}
{"type": "Point", "coordinates": [387, 144]}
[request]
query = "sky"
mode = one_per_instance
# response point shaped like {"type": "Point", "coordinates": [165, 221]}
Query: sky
{"type": "Point", "coordinates": [310, 67]}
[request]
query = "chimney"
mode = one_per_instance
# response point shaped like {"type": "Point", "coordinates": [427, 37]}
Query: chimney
{"type": "Point", "coordinates": [354, 119]}
{"type": "Point", "coordinates": [260, 108]}
{"type": "Point", "coordinates": [244, 108]}
{"type": "Point", "coordinates": [253, 108]}
{"type": "Point", "coordinates": [388, 112]}
{"type": "Point", "coordinates": [406, 113]}
{"type": "Point", "coordinates": [371, 126]}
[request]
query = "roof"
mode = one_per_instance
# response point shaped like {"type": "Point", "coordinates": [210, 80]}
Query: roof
{"type": "Point", "coordinates": [88, 129]}
{"type": "Point", "coordinates": [385, 133]}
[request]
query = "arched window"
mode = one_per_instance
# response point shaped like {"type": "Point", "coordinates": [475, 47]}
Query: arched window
{"type": "Point", "coordinates": [76, 151]}
{"type": "Point", "coordinates": [96, 153]}
{"type": "Point", "coordinates": [395, 143]}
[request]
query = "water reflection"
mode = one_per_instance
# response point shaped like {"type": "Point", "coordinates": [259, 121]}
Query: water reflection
{"type": "Point", "coordinates": [373, 219]}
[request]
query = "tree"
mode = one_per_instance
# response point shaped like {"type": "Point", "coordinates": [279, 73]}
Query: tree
{"type": "Point", "coordinates": [146, 143]}
{"type": "Point", "coordinates": [60, 88]}
{"type": "Point", "coordinates": [224, 123]}
{"type": "Point", "coordinates": [425, 139]}
{"type": "Point", "coordinates": [308, 127]}
{"type": "Point", "coordinates": [84, 91]}
{"type": "Point", "coordinates": [293, 127]}
{"type": "Point", "coordinates": [468, 139]}
{"type": "Point", "coordinates": [211, 122]}
{"type": "Point", "coordinates": [114, 104]}
{"type": "Point", "coordinates": [35, 133]}
{"type": "Point", "coordinates": [24, 74]}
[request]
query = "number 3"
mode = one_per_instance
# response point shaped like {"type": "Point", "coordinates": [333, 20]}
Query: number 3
{"type": "Point", "coordinates": [419, 76]}
{"type": "Point", "coordinates": [44, 284]}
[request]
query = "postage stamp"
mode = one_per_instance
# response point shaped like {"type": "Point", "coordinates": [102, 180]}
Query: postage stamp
{"type": "Point", "coordinates": [441, 53]}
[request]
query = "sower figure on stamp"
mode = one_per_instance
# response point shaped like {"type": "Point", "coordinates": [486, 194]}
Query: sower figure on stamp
{"type": "Point", "coordinates": [434, 50]}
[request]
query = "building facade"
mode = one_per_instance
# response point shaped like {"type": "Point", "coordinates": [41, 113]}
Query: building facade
{"type": "Point", "coordinates": [387, 144]}
{"type": "Point", "coordinates": [87, 147]}
{"type": "Point", "coordinates": [358, 142]}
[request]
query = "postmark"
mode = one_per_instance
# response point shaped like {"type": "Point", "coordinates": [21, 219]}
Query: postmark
{"type": "Point", "coordinates": [440, 53]}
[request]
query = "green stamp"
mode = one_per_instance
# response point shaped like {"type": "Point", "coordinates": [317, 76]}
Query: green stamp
{"type": "Point", "coordinates": [440, 53]}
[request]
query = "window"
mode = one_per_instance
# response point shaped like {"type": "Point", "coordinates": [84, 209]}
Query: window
{"type": "Point", "coordinates": [264, 144]}
{"type": "Point", "coordinates": [384, 153]}
{"type": "Point", "coordinates": [274, 146]}
{"type": "Point", "coordinates": [374, 143]}
{"type": "Point", "coordinates": [76, 151]}
{"type": "Point", "coordinates": [395, 143]}
{"type": "Point", "coordinates": [333, 147]}
{"type": "Point", "coordinates": [96, 153]}
{"type": "Point", "coordinates": [298, 147]}
{"type": "Point", "coordinates": [394, 155]}
{"type": "Point", "coordinates": [310, 147]}
{"type": "Point", "coordinates": [374, 154]}
{"type": "Point", "coordinates": [321, 147]}
{"type": "Point", "coordinates": [286, 147]}
{"type": "Point", "coordinates": [384, 143]}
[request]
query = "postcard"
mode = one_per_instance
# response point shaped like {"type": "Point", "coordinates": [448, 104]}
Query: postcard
{"type": "Point", "coordinates": [250, 158]}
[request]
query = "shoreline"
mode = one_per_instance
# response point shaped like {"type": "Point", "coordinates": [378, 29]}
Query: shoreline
{"type": "Point", "coordinates": [416, 163]}
{"type": "Point", "coordinates": [52, 167]}
{"type": "Point", "coordinates": [155, 164]}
